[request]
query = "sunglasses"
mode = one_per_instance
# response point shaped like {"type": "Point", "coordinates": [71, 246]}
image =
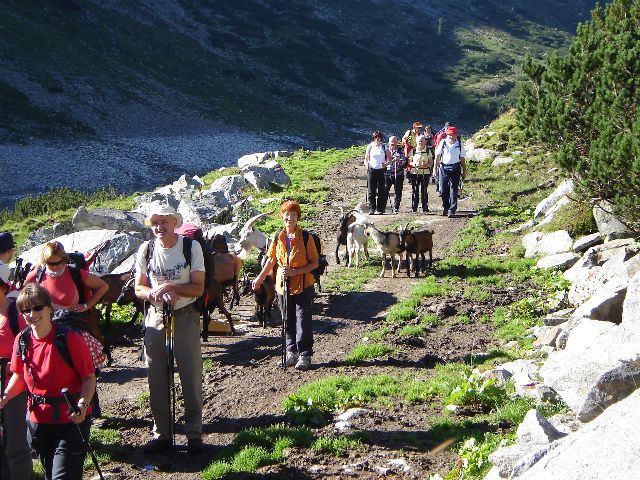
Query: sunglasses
{"type": "Point", "coordinates": [55, 264]}
{"type": "Point", "coordinates": [36, 308]}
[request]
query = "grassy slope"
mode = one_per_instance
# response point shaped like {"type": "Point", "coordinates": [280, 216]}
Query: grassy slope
{"type": "Point", "coordinates": [287, 65]}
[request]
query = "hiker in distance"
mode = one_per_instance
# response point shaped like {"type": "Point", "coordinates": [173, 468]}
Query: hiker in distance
{"type": "Point", "coordinates": [394, 175]}
{"type": "Point", "coordinates": [375, 159]}
{"type": "Point", "coordinates": [39, 367]}
{"type": "Point", "coordinates": [410, 139]}
{"type": "Point", "coordinates": [451, 165]}
{"type": "Point", "coordinates": [295, 257]}
{"type": "Point", "coordinates": [163, 275]}
{"type": "Point", "coordinates": [17, 457]}
{"type": "Point", "coordinates": [421, 164]}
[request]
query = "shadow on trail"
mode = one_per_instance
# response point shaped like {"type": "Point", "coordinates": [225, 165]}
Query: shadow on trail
{"type": "Point", "coordinates": [362, 306]}
{"type": "Point", "coordinates": [121, 374]}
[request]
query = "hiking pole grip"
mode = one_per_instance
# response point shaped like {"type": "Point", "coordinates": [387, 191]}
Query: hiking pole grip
{"type": "Point", "coordinates": [74, 408]}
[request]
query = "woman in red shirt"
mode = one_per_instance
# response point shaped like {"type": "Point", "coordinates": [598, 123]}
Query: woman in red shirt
{"type": "Point", "coordinates": [44, 372]}
{"type": "Point", "coordinates": [54, 274]}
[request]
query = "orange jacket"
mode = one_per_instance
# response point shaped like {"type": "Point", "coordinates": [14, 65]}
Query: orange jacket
{"type": "Point", "coordinates": [299, 256]}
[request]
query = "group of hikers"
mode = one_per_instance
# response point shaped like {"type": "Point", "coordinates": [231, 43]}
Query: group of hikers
{"type": "Point", "coordinates": [48, 386]}
{"type": "Point", "coordinates": [49, 363]}
{"type": "Point", "coordinates": [423, 156]}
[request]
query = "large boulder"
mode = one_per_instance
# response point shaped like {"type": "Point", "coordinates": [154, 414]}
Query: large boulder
{"type": "Point", "coordinates": [608, 225]}
{"type": "Point", "coordinates": [621, 266]}
{"type": "Point", "coordinates": [73, 242]}
{"type": "Point", "coordinates": [44, 234]}
{"type": "Point", "coordinates": [551, 213]}
{"type": "Point", "coordinates": [606, 302]}
{"type": "Point", "coordinates": [212, 208]}
{"type": "Point", "coordinates": [604, 448]}
{"type": "Point", "coordinates": [253, 159]}
{"type": "Point", "coordinates": [559, 260]}
{"type": "Point", "coordinates": [108, 219]}
{"type": "Point", "coordinates": [230, 186]}
{"type": "Point", "coordinates": [143, 202]}
{"type": "Point", "coordinates": [121, 246]}
{"type": "Point", "coordinates": [270, 176]}
{"type": "Point", "coordinates": [537, 243]}
{"type": "Point", "coordinates": [562, 190]}
{"type": "Point", "coordinates": [584, 243]}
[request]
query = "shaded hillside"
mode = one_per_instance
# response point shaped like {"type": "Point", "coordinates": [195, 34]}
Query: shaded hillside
{"type": "Point", "coordinates": [321, 68]}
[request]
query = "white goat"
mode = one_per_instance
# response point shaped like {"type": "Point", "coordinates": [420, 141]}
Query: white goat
{"type": "Point", "coordinates": [250, 237]}
{"type": "Point", "coordinates": [357, 239]}
{"type": "Point", "coordinates": [388, 243]}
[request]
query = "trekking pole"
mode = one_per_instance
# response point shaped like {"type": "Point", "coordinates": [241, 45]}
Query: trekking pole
{"type": "Point", "coordinates": [168, 321]}
{"type": "Point", "coordinates": [285, 306]}
{"type": "Point", "coordinates": [74, 408]}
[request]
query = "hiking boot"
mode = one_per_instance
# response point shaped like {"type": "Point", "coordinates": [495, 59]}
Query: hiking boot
{"type": "Point", "coordinates": [290, 361]}
{"type": "Point", "coordinates": [451, 214]}
{"type": "Point", "coordinates": [444, 213]}
{"type": "Point", "coordinates": [157, 445]}
{"type": "Point", "coordinates": [195, 446]}
{"type": "Point", "coordinates": [303, 363]}
{"type": "Point", "coordinates": [378, 212]}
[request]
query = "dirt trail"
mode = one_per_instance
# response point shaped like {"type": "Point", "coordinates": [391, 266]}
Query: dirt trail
{"type": "Point", "coordinates": [243, 388]}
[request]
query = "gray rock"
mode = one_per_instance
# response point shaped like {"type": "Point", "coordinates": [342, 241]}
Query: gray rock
{"type": "Point", "coordinates": [254, 159]}
{"type": "Point", "coordinates": [43, 235]}
{"type": "Point", "coordinates": [230, 186]}
{"type": "Point", "coordinates": [143, 201]}
{"type": "Point", "coordinates": [610, 387]}
{"type": "Point", "coordinates": [480, 154]}
{"type": "Point", "coordinates": [562, 190]}
{"type": "Point", "coordinates": [527, 461]}
{"type": "Point", "coordinates": [77, 241]}
{"type": "Point", "coordinates": [559, 260]}
{"type": "Point", "coordinates": [548, 337]}
{"type": "Point", "coordinates": [213, 208]}
{"type": "Point", "coordinates": [525, 226]}
{"type": "Point", "coordinates": [572, 371]}
{"type": "Point", "coordinates": [557, 318]}
{"type": "Point", "coordinates": [524, 375]}
{"type": "Point", "coordinates": [607, 223]}
{"type": "Point", "coordinates": [602, 449]}
{"type": "Point", "coordinates": [282, 154]}
{"type": "Point", "coordinates": [583, 243]}
{"type": "Point", "coordinates": [127, 265]}
{"type": "Point", "coordinates": [536, 243]}
{"type": "Point", "coordinates": [535, 429]}
{"type": "Point", "coordinates": [121, 246]}
{"type": "Point", "coordinates": [352, 414]}
{"type": "Point", "coordinates": [501, 161]}
{"type": "Point", "coordinates": [108, 219]}
{"type": "Point", "coordinates": [550, 214]}
{"type": "Point", "coordinates": [606, 303]}
{"type": "Point", "coordinates": [505, 458]}
{"type": "Point", "coordinates": [269, 176]}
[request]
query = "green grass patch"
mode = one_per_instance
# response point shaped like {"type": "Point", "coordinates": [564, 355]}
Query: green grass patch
{"type": "Point", "coordinates": [514, 320]}
{"type": "Point", "coordinates": [378, 334]}
{"type": "Point", "coordinates": [430, 320]}
{"type": "Point", "coordinates": [476, 293]}
{"type": "Point", "coordinates": [368, 351]}
{"type": "Point", "coordinates": [401, 312]}
{"type": "Point", "coordinates": [143, 401]}
{"type": "Point", "coordinates": [412, 330]}
{"type": "Point", "coordinates": [256, 447]}
{"type": "Point", "coordinates": [107, 445]}
{"type": "Point", "coordinates": [344, 280]}
{"type": "Point", "coordinates": [336, 446]}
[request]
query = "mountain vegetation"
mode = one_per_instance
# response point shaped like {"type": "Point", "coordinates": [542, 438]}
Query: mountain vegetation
{"type": "Point", "coordinates": [584, 106]}
{"type": "Point", "coordinates": [313, 68]}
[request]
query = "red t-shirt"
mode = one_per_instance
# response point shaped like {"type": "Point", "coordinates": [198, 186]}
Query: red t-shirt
{"type": "Point", "coordinates": [50, 373]}
{"type": "Point", "coordinates": [62, 289]}
{"type": "Point", "coordinates": [7, 337]}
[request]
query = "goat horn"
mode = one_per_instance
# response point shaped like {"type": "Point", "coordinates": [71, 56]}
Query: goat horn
{"type": "Point", "coordinates": [407, 226]}
{"type": "Point", "coordinates": [249, 225]}
{"type": "Point", "coordinates": [341, 211]}
{"type": "Point", "coordinates": [128, 283]}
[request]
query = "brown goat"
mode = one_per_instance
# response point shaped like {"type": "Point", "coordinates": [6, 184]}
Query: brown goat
{"type": "Point", "coordinates": [417, 243]}
{"type": "Point", "coordinates": [116, 294]}
{"type": "Point", "coordinates": [264, 297]}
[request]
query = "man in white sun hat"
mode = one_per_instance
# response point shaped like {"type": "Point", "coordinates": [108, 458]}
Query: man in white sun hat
{"type": "Point", "coordinates": [170, 269]}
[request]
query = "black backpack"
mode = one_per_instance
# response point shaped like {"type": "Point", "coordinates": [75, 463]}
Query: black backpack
{"type": "Point", "coordinates": [12, 314]}
{"type": "Point", "coordinates": [66, 321]}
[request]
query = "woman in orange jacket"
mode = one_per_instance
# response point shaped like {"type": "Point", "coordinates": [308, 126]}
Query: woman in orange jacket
{"type": "Point", "coordinates": [295, 259]}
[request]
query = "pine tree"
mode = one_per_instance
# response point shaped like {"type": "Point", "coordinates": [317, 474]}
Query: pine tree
{"type": "Point", "coordinates": [584, 106]}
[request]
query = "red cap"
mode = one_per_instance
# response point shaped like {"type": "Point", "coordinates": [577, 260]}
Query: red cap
{"type": "Point", "coordinates": [451, 131]}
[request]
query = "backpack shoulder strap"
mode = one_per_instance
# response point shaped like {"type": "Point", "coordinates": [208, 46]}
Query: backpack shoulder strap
{"type": "Point", "coordinates": [77, 280]}
{"type": "Point", "coordinates": [39, 274]}
{"type": "Point", "coordinates": [187, 243]}
{"type": "Point", "coordinates": [61, 343]}
{"type": "Point", "coordinates": [23, 343]}
{"type": "Point", "coordinates": [12, 313]}
{"type": "Point", "coordinates": [148, 254]}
